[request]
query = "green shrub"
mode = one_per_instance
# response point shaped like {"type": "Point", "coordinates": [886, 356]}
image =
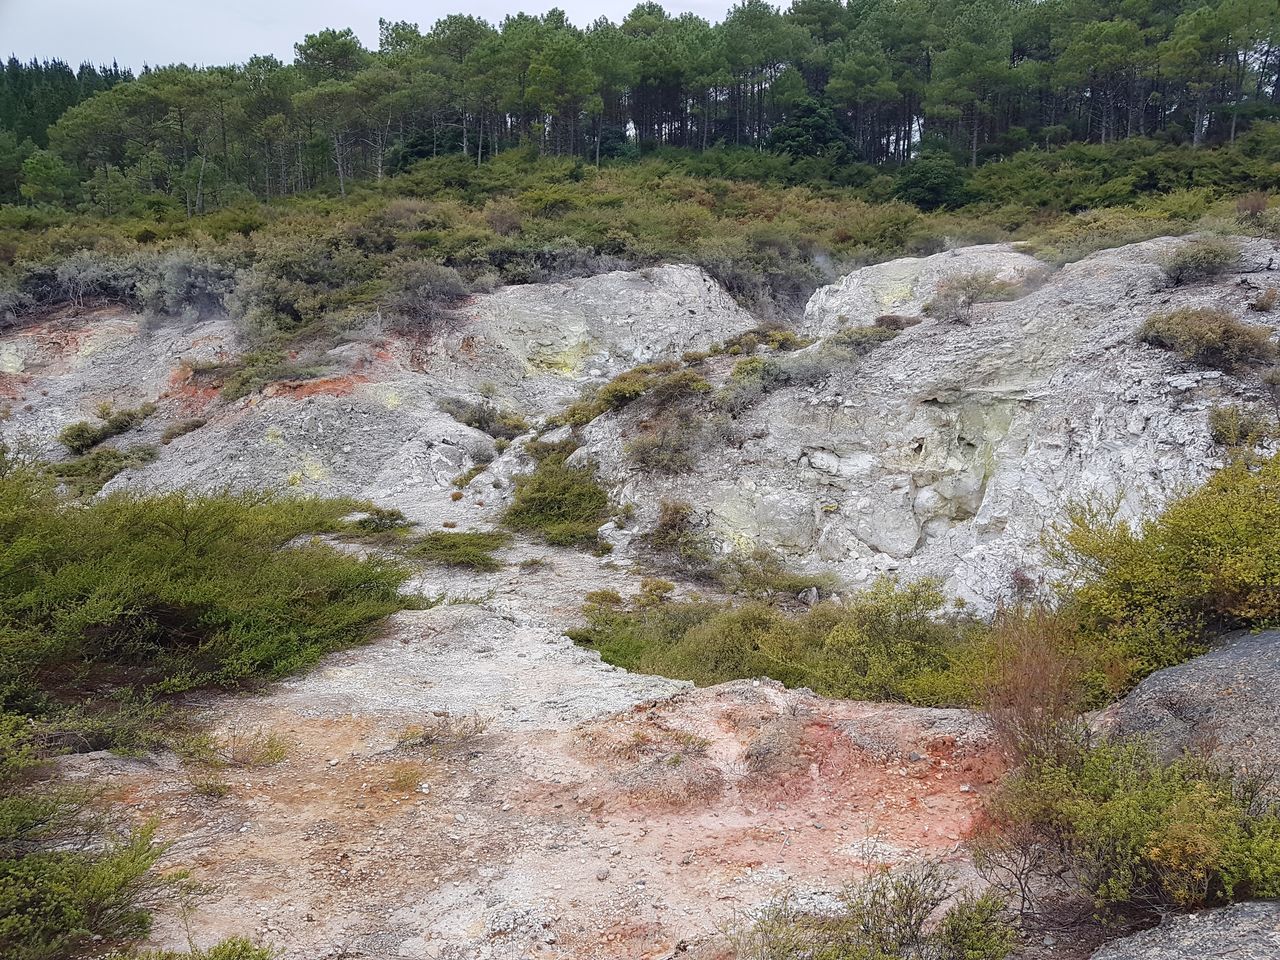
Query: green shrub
{"type": "Point", "coordinates": [181, 429]}
{"type": "Point", "coordinates": [106, 609]}
{"type": "Point", "coordinates": [889, 642]}
{"type": "Point", "coordinates": [955, 297]}
{"type": "Point", "coordinates": [859, 341]}
{"type": "Point", "coordinates": [1238, 426]}
{"type": "Point", "coordinates": [1075, 237]}
{"type": "Point", "coordinates": [54, 903]}
{"type": "Point", "coordinates": [666, 381]}
{"type": "Point", "coordinates": [1119, 829]}
{"type": "Point", "coordinates": [886, 915]}
{"type": "Point", "coordinates": [233, 948]}
{"type": "Point", "coordinates": [462, 549]}
{"type": "Point", "coordinates": [1210, 337]}
{"type": "Point", "coordinates": [667, 445]}
{"type": "Point", "coordinates": [624, 388]}
{"type": "Point", "coordinates": [381, 520]}
{"type": "Point", "coordinates": [486, 417]}
{"type": "Point", "coordinates": [253, 371]}
{"type": "Point", "coordinates": [1148, 596]}
{"type": "Point", "coordinates": [1200, 258]}
{"type": "Point", "coordinates": [147, 595]}
{"type": "Point", "coordinates": [86, 475]}
{"type": "Point", "coordinates": [775, 338]}
{"type": "Point", "coordinates": [676, 538]}
{"type": "Point", "coordinates": [559, 503]}
{"type": "Point", "coordinates": [84, 436]}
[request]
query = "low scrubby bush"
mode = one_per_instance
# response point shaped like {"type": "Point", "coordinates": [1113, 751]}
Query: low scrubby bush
{"type": "Point", "coordinates": [1147, 596]}
{"type": "Point", "coordinates": [155, 594]}
{"type": "Point", "coordinates": [859, 341]}
{"type": "Point", "coordinates": [84, 436]}
{"type": "Point", "coordinates": [955, 297]}
{"type": "Point", "coordinates": [106, 609]}
{"type": "Point", "coordinates": [420, 292]}
{"type": "Point", "coordinates": [1114, 827]}
{"type": "Point", "coordinates": [96, 885]}
{"type": "Point", "coordinates": [255, 370]}
{"type": "Point", "coordinates": [473, 549]}
{"type": "Point", "coordinates": [1266, 301]}
{"type": "Point", "coordinates": [233, 948]}
{"type": "Point", "coordinates": [886, 915]}
{"type": "Point", "coordinates": [1200, 258]}
{"type": "Point", "coordinates": [665, 382]}
{"type": "Point", "coordinates": [1078, 236]}
{"type": "Point", "coordinates": [486, 417]}
{"type": "Point", "coordinates": [1235, 426]}
{"type": "Point", "coordinates": [677, 538]}
{"type": "Point", "coordinates": [890, 642]}
{"type": "Point", "coordinates": [560, 503]}
{"type": "Point", "coordinates": [87, 474]}
{"type": "Point", "coordinates": [181, 429]}
{"type": "Point", "coordinates": [667, 445]}
{"type": "Point", "coordinates": [1209, 337]}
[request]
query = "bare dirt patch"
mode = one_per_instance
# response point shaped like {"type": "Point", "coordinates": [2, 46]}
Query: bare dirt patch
{"type": "Point", "coordinates": [473, 785]}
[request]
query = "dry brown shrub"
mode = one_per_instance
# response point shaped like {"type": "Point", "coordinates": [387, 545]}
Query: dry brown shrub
{"type": "Point", "coordinates": [1033, 690]}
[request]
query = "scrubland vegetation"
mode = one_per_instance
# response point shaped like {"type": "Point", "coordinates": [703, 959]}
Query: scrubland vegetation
{"type": "Point", "coordinates": [357, 189]}
{"type": "Point", "coordinates": [299, 273]}
{"type": "Point", "coordinates": [108, 610]}
{"type": "Point", "coordinates": [560, 503]}
{"type": "Point", "coordinates": [884, 916]}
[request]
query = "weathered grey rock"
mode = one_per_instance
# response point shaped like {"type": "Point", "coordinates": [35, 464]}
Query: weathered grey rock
{"type": "Point", "coordinates": [950, 450]}
{"type": "Point", "coordinates": [1243, 931]}
{"type": "Point", "coordinates": [904, 286]}
{"type": "Point", "coordinates": [373, 428]}
{"type": "Point", "coordinates": [1225, 704]}
{"type": "Point", "coordinates": [612, 320]}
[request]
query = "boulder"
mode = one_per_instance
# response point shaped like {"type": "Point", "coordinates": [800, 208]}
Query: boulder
{"type": "Point", "coordinates": [1224, 704]}
{"type": "Point", "coordinates": [1243, 931]}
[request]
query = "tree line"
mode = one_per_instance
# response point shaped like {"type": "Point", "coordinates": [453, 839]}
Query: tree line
{"type": "Point", "coordinates": [857, 81]}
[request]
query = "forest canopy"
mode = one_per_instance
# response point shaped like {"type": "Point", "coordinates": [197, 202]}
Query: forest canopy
{"type": "Point", "coordinates": [867, 82]}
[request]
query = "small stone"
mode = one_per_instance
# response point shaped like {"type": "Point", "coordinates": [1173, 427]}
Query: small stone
{"type": "Point", "coordinates": [602, 873]}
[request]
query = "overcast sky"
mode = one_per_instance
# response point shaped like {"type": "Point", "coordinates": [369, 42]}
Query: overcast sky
{"type": "Point", "coordinates": [213, 32]}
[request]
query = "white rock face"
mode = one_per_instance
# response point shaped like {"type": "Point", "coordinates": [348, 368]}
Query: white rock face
{"type": "Point", "coordinates": [611, 320]}
{"type": "Point", "coordinates": [952, 449]}
{"type": "Point", "coordinates": [905, 286]}
{"type": "Point", "coordinates": [373, 427]}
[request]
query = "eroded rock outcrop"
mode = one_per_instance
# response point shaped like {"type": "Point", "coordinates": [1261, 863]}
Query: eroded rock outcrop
{"type": "Point", "coordinates": [371, 426]}
{"type": "Point", "coordinates": [950, 450]}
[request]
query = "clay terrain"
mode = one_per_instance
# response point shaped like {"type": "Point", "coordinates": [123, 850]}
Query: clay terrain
{"type": "Point", "coordinates": [473, 785]}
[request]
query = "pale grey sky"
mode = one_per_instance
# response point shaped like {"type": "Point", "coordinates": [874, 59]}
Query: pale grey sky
{"type": "Point", "coordinates": [211, 32]}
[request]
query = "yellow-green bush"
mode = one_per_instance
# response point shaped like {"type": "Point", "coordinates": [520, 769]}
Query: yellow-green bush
{"type": "Point", "coordinates": [107, 608]}
{"type": "Point", "coordinates": [473, 549]}
{"type": "Point", "coordinates": [1147, 596]}
{"type": "Point", "coordinates": [890, 642]}
{"type": "Point", "coordinates": [1114, 826]}
{"type": "Point", "coordinates": [1210, 337]}
{"type": "Point", "coordinates": [561, 504]}
{"type": "Point", "coordinates": [1199, 259]}
{"type": "Point", "coordinates": [886, 915]}
{"type": "Point", "coordinates": [83, 436]}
